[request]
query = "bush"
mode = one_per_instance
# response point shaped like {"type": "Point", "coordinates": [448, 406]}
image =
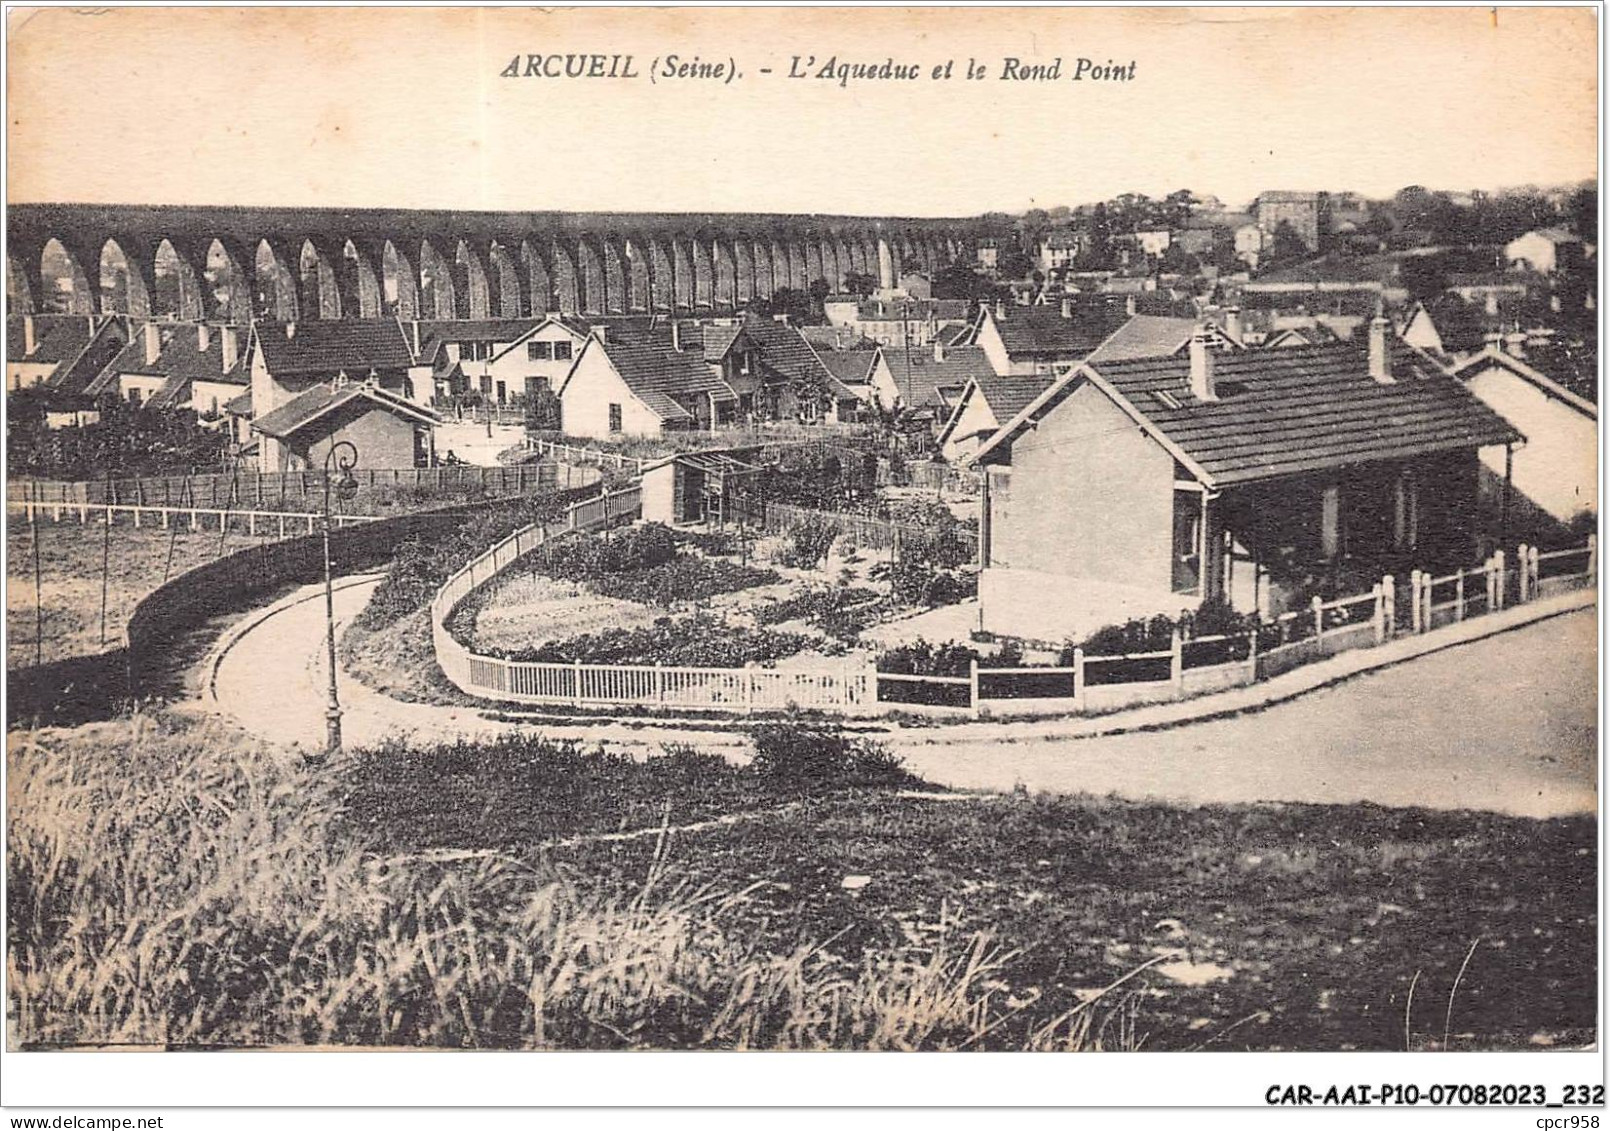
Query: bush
{"type": "Point", "coordinates": [807, 542]}
{"type": "Point", "coordinates": [596, 556]}
{"type": "Point", "coordinates": [698, 642]}
{"type": "Point", "coordinates": [923, 658]}
{"type": "Point", "coordinates": [813, 760]}
{"type": "Point", "coordinates": [687, 577]}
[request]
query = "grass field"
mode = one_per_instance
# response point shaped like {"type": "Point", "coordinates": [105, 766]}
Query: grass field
{"type": "Point", "coordinates": [70, 566]}
{"type": "Point", "coordinates": [176, 883]}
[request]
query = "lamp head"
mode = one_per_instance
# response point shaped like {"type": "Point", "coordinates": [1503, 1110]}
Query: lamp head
{"type": "Point", "coordinates": [346, 488]}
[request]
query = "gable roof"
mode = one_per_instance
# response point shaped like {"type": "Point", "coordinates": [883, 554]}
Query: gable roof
{"type": "Point", "coordinates": [658, 376]}
{"type": "Point", "coordinates": [1150, 335]}
{"type": "Point", "coordinates": [356, 345]}
{"type": "Point", "coordinates": [321, 400]}
{"type": "Point", "coordinates": [1493, 355]}
{"type": "Point", "coordinates": [181, 359]}
{"type": "Point", "coordinates": [1039, 331]}
{"type": "Point", "coordinates": [76, 375]}
{"type": "Point", "coordinates": [57, 338]}
{"type": "Point", "coordinates": [851, 367]}
{"type": "Point", "coordinates": [573, 325]}
{"type": "Point", "coordinates": [922, 380]}
{"type": "Point", "coordinates": [782, 348]}
{"type": "Point", "coordinates": [1296, 411]}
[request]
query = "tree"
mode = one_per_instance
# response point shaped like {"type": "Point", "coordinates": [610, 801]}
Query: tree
{"type": "Point", "coordinates": [858, 283]}
{"type": "Point", "coordinates": [1287, 246]}
{"type": "Point", "coordinates": [1583, 210]}
{"type": "Point", "coordinates": [796, 304]}
{"type": "Point", "coordinates": [961, 281]}
{"type": "Point", "coordinates": [1423, 276]}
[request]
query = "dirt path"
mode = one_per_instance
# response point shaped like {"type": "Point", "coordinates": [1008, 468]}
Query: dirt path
{"type": "Point", "coordinates": [1506, 723]}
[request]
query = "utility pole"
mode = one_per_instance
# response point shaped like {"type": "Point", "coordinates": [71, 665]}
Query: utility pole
{"type": "Point", "coordinates": [39, 606]}
{"type": "Point", "coordinates": [106, 555]}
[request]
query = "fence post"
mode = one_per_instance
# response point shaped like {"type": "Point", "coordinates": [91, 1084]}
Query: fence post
{"type": "Point", "coordinates": [749, 688]}
{"type": "Point", "coordinates": [659, 682]}
{"type": "Point", "coordinates": [1500, 580]}
{"type": "Point", "coordinates": [1378, 617]}
{"type": "Point", "coordinates": [1522, 576]}
{"type": "Point", "coordinates": [1389, 605]}
{"type": "Point", "coordinates": [1459, 595]}
{"type": "Point", "coordinates": [1252, 654]}
{"type": "Point", "coordinates": [1414, 601]}
{"type": "Point", "coordinates": [195, 520]}
{"type": "Point", "coordinates": [575, 671]}
{"type": "Point", "coordinates": [1176, 664]}
{"type": "Point", "coordinates": [1536, 578]}
{"type": "Point", "coordinates": [1079, 679]}
{"type": "Point", "coordinates": [1319, 618]}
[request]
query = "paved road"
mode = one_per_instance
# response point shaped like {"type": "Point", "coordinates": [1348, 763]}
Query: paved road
{"type": "Point", "coordinates": [1506, 723]}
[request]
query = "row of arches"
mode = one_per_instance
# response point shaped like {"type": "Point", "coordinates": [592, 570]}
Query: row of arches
{"type": "Point", "coordinates": [443, 277]}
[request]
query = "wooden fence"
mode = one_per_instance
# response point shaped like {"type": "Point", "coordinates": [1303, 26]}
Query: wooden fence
{"type": "Point", "coordinates": [254, 523]}
{"type": "Point", "coordinates": [931, 476]}
{"type": "Point", "coordinates": [266, 491]}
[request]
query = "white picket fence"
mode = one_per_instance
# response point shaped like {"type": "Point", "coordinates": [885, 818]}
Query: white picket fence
{"type": "Point", "coordinates": [839, 687]}
{"type": "Point", "coordinates": [278, 524]}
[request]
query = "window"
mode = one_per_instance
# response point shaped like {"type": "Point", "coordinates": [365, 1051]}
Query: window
{"type": "Point", "coordinates": [539, 351]}
{"type": "Point", "coordinates": [614, 418]}
{"type": "Point", "coordinates": [536, 383]}
{"type": "Point", "coordinates": [486, 382]}
{"type": "Point", "coordinates": [474, 351]}
{"type": "Point", "coordinates": [561, 351]}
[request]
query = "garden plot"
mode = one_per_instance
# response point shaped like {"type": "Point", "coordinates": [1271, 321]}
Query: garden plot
{"type": "Point", "coordinates": [531, 608]}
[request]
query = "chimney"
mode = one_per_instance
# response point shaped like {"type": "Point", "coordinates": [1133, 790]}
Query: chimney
{"type": "Point", "coordinates": [601, 331]}
{"type": "Point", "coordinates": [29, 341]}
{"type": "Point", "coordinates": [203, 336]}
{"type": "Point", "coordinates": [290, 330]}
{"type": "Point", "coordinates": [1202, 360]}
{"type": "Point", "coordinates": [1491, 305]}
{"type": "Point", "coordinates": [230, 344]}
{"type": "Point", "coordinates": [1067, 307]}
{"type": "Point", "coordinates": [1000, 309]}
{"type": "Point", "coordinates": [1232, 324]}
{"type": "Point", "coordinates": [1515, 345]}
{"type": "Point", "coordinates": [416, 337]}
{"type": "Point", "coordinates": [1129, 305]}
{"type": "Point", "coordinates": [1380, 350]}
{"type": "Point", "coordinates": [939, 349]}
{"type": "Point", "coordinates": [676, 336]}
{"type": "Point", "coordinates": [153, 343]}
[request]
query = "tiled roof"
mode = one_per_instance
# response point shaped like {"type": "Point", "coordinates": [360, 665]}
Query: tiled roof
{"type": "Point", "coordinates": [924, 379]}
{"type": "Point", "coordinates": [301, 410]}
{"type": "Point", "coordinates": [573, 324]}
{"type": "Point", "coordinates": [826, 339]}
{"type": "Point", "coordinates": [182, 357]}
{"type": "Point", "coordinates": [718, 340]}
{"type": "Point", "coordinates": [79, 372]}
{"type": "Point", "coordinates": [850, 367]}
{"type": "Point", "coordinates": [660, 378]}
{"type": "Point", "coordinates": [785, 351]}
{"type": "Point", "coordinates": [241, 405]}
{"type": "Point", "coordinates": [57, 338]}
{"type": "Point", "coordinates": [1288, 412]}
{"type": "Point", "coordinates": [328, 346]}
{"type": "Point", "coordinates": [1038, 331]}
{"type": "Point", "coordinates": [912, 309]}
{"type": "Point", "coordinates": [1146, 335]}
{"type": "Point", "coordinates": [1010, 394]}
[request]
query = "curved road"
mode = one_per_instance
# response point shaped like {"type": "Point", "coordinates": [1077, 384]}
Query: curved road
{"type": "Point", "coordinates": [1507, 723]}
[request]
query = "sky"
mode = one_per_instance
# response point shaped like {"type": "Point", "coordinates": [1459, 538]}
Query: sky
{"type": "Point", "coordinates": [408, 108]}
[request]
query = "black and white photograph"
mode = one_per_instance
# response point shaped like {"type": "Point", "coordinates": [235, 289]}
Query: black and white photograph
{"type": "Point", "coordinates": [730, 531]}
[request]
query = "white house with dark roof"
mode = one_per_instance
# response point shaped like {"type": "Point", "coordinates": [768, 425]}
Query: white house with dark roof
{"type": "Point", "coordinates": [1144, 486]}
{"type": "Point", "coordinates": [641, 388]}
{"type": "Point", "coordinates": [987, 402]}
{"type": "Point", "coordinates": [1545, 250]}
{"type": "Point", "coordinates": [196, 367]}
{"type": "Point", "coordinates": [1555, 476]}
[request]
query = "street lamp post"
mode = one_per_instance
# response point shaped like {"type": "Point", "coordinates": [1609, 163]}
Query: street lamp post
{"type": "Point", "coordinates": [342, 457]}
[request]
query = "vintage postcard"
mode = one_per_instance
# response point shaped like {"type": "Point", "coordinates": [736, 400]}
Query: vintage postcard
{"type": "Point", "coordinates": [923, 530]}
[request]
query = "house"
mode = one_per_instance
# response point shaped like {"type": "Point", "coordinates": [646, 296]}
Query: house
{"type": "Point", "coordinates": [1045, 339]}
{"type": "Point", "coordinates": [1554, 477]}
{"type": "Point", "coordinates": [987, 402]}
{"type": "Point", "coordinates": [988, 255]}
{"type": "Point", "coordinates": [927, 381]}
{"type": "Point", "coordinates": [1545, 251]}
{"type": "Point", "coordinates": [38, 345]}
{"type": "Point", "coordinates": [824, 339]}
{"type": "Point", "coordinates": [67, 355]}
{"type": "Point", "coordinates": [1257, 477]}
{"type": "Point", "coordinates": [898, 320]}
{"type": "Point", "coordinates": [1154, 241]}
{"type": "Point", "coordinates": [497, 357]}
{"type": "Point", "coordinates": [194, 367]}
{"type": "Point", "coordinates": [1250, 242]}
{"type": "Point", "coordinates": [794, 383]}
{"type": "Point", "coordinates": [1290, 336]}
{"type": "Point", "coordinates": [641, 387]}
{"type": "Point", "coordinates": [388, 429]}
{"type": "Point", "coordinates": [290, 358]}
{"type": "Point", "coordinates": [1059, 249]}
{"type": "Point", "coordinates": [700, 486]}
{"type": "Point", "coordinates": [857, 373]}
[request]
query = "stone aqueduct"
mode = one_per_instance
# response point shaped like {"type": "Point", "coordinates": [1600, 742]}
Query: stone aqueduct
{"type": "Point", "coordinates": [336, 263]}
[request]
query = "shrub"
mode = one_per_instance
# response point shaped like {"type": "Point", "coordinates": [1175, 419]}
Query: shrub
{"type": "Point", "coordinates": [808, 541]}
{"type": "Point", "coordinates": [923, 658]}
{"type": "Point", "coordinates": [687, 577]}
{"type": "Point", "coordinates": [698, 641]}
{"type": "Point", "coordinates": [814, 760]}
